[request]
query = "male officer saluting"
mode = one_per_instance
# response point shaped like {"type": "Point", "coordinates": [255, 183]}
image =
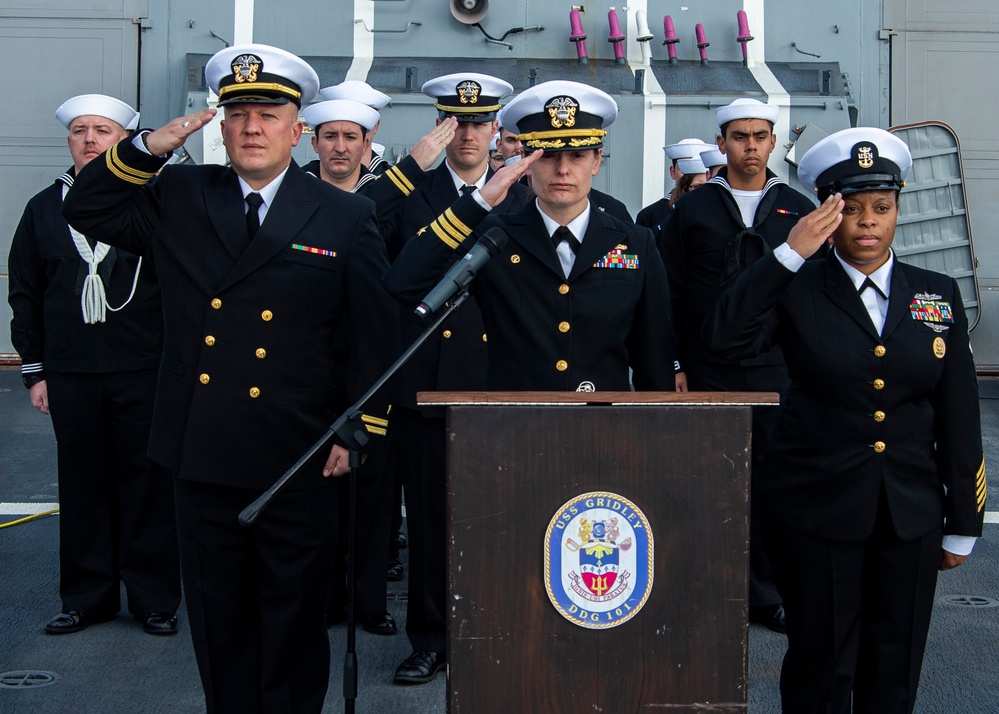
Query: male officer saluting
{"type": "Point", "coordinates": [453, 358]}
{"type": "Point", "coordinates": [582, 333]}
{"type": "Point", "coordinates": [710, 237]}
{"type": "Point", "coordinates": [88, 324]}
{"type": "Point", "coordinates": [261, 265]}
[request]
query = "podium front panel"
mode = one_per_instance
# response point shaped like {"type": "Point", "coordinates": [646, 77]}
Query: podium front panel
{"type": "Point", "coordinates": [510, 469]}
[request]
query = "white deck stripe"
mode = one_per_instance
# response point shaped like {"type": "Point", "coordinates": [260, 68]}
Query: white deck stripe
{"type": "Point", "coordinates": [26, 509]}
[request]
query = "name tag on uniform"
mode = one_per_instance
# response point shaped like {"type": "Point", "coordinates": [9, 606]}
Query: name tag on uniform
{"type": "Point", "coordinates": [617, 258]}
{"type": "Point", "coordinates": [317, 251]}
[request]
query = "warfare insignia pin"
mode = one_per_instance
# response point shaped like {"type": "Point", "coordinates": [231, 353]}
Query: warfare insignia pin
{"type": "Point", "coordinates": [562, 111]}
{"type": "Point", "coordinates": [246, 67]}
{"type": "Point", "coordinates": [468, 92]}
{"type": "Point", "coordinates": [586, 386]}
{"type": "Point", "coordinates": [599, 560]}
{"type": "Point", "coordinates": [939, 348]}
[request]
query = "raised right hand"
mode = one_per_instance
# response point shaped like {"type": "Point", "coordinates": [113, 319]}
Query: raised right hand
{"type": "Point", "coordinates": [173, 135]}
{"type": "Point", "coordinates": [813, 230]}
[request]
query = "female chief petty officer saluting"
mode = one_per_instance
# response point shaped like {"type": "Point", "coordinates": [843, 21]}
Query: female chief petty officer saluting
{"type": "Point", "coordinates": [875, 478]}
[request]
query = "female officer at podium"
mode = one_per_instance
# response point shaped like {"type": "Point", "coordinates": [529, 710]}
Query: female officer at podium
{"type": "Point", "coordinates": [875, 478]}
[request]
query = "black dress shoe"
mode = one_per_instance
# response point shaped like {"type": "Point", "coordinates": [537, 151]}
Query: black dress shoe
{"type": "Point", "coordinates": [395, 571]}
{"type": "Point", "coordinates": [160, 623]}
{"type": "Point", "coordinates": [770, 615]}
{"type": "Point", "coordinates": [400, 540]}
{"type": "Point", "coordinates": [72, 621]}
{"type": "Point", "coordinates": [419, 668]}
{"type": "Point", "coordinates": [378, 623]}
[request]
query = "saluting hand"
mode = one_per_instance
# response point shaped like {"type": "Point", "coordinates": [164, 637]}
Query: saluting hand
{"type": "Point", "coordinates": [428, 149]}
{"type": "Point", "coordinates": [813, 230]}
{"type": "Point", "coordinates": [173, 135]}
{"type": "Point", "coordinates": [496, 187]}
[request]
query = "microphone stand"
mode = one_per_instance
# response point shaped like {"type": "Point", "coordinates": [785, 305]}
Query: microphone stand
{"type": "Point", "coordinates": [351, 431]}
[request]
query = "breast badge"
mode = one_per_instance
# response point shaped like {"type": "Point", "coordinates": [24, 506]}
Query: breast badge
{"type": "Point", "coordinates": [599, 559]}
{"type": "Point", "coordinates": [939, 348]}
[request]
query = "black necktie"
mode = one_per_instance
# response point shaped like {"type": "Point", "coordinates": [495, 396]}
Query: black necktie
{"type": "Point", "coordinates": [467, 189]}
{"type": "Point", "coordinates": [564, 234]}
{"type": "Point", "coordinates": [254, 201]}
{"type": "Point", "coordinates": [868, 283]}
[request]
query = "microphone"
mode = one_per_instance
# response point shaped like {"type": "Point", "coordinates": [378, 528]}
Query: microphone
{"type": "Point", "coordinates": [463, 272]}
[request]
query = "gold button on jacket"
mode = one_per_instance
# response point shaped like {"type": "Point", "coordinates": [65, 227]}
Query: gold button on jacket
{"type": "Point", "coordinates": [261, 353]}
{"type": "Point", "coordinates": [879, 416]}
{"type": "Point", "coordinates": [204, 379]}
{"type": "Point", "coordinates": [216, 303]}
{"type": "Point", "coordinates": [563, 327]}
{"type": "Point", "coordinates": [266, 315]}
{"type": "Point", "coordinates": [880, 351]}
{"type": "Point", "coordinates": [209, 340]}
{"type": "Point", "coordinates": [879, 384]}
{"type": "Point", "coordinates": [879, 446]}
{"type": "Point", "coordinates": [254, 392]}
{"type": "Point", "coordinates": [561, 365]}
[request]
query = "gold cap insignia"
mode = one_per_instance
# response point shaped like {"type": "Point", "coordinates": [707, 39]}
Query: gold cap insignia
{"type": "Point", "coordinates": [246, 67]}
{"type": "Point", "coordinates": [468, 92]}
{"type": "Point", "coordinates": [562, 111]}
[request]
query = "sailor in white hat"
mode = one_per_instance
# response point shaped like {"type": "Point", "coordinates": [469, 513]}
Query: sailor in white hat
{"type": "Point", "coordinates": [713, 160]}
{"type": "Point", "coordinates": [882, 408]}
{"type": "Point", "coordinates": [342, 135]}
{"type": "Point", "coordinates": [693, 174]}
{"type": "Point", "coordinates": [655, 214]}
{"type": "Point", "coordinates": [359, 91]}
{"type": "Point", "coordinates": [713, 234]}
{"type": "Point", "coordinates": [268, 273]}
{"type": "Point", "coordinates": [87, 321]}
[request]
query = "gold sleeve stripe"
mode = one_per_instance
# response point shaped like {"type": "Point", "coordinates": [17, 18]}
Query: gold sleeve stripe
{"type": "Point", "coordinates": [400, 181]}
{"type": "Point", "coordinates": [452, 219]}
{"type": "Point", "coordinates": [376, 421]}
{"type": "Point", "coordinates": [375, 430]}
{"type": "Point", "coordinates": [982, 486]}
{"type": "Point", "coordinates": [449, 229]}
{"type": "Point", "coordinates": [442, 234]}
{"type": "Point", "coordinates": [125, 173]}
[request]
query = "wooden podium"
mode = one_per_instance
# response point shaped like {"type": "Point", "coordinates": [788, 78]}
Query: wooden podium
{"type": "Point", "coordinates": [518, 560]}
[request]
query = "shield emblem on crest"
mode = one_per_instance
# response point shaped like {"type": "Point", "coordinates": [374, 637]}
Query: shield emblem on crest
{"type": "Point", "coordinates": [598, 561]}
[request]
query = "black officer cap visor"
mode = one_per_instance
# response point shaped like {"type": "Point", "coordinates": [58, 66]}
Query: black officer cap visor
{"type": "Point", "coordinates": [536, 132]}
{"type": "Point", "coordinates": [268, 89]}
{"type": "Point", "coordinates": [479, 118]}
{"type": "Point", "coordinates": [843, 178]}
